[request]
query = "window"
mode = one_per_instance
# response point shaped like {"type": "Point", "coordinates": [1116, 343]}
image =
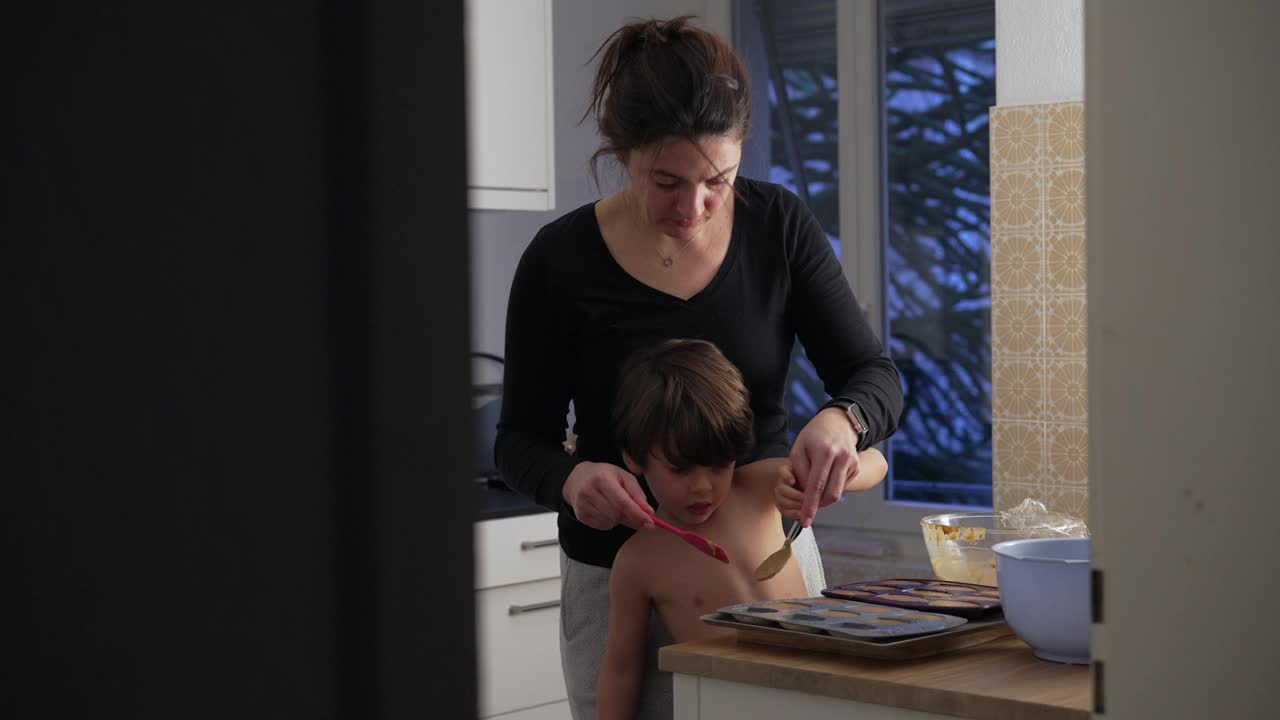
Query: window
{"type": "Point", "coordinates": [914, 198]}
{"type": "Point", "coordinates": [791, 48]}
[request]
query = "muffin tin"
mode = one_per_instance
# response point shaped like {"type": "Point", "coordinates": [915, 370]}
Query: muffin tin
{"type": "Point", "coordinates": [840, 618]}
{"type": "Point", "coordinates": [953, 598]}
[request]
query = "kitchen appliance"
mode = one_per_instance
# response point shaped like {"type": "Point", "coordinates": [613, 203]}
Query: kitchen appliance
{"type": "Point", "coordinates": [486, 409]}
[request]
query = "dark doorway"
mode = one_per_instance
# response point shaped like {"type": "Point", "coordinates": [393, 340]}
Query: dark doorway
{"type": "Point", "coordinates": [233, 281]}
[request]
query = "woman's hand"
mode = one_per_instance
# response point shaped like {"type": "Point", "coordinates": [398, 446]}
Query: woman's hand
{"type": "Point", "coordinates": [824, 457]}
{"type": "Point", "coordinates": [603, 496]}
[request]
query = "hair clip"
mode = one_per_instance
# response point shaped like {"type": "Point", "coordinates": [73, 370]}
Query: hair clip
{"type": "Point", "coordinates": [729, 81]}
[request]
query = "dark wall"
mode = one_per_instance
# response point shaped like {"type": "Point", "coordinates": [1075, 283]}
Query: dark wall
{"type": "Point", "coordinates": [233, 290]}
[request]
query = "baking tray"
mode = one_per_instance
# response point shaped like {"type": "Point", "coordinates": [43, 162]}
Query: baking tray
{"type": "Point", "coordinates": [940, 596]}
{"type": "Point", "coordinates": [974, 632]}
{"type": "Point", "coordinates": [829, 616]}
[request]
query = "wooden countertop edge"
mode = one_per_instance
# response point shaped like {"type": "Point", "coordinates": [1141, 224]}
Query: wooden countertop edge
{"type": "Point", "coordinates": [686, 659]}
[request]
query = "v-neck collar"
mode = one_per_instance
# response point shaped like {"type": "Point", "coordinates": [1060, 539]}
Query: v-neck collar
{"type": "Point", "coordinates": [726, 265]}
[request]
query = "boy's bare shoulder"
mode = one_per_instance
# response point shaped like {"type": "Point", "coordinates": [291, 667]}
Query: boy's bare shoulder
{"type": "Point", "coordinates": [760, 477]}
{"type": "Point", "coordinates": [766, 467]}
{"type": "Point", "coordinates": [636, 556]}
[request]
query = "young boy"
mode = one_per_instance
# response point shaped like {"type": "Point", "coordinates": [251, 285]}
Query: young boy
{"type": "Point", "coordinates": [682, 418]}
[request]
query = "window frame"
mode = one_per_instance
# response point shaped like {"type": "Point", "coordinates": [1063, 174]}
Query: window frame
{"type": "Point", "coordinates": [862, 161]}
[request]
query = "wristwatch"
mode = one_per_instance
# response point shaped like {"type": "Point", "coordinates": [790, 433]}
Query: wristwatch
{"type": "Point", "coordinates": [854, 414]}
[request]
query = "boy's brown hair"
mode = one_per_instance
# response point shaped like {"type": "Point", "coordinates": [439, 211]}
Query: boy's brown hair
{"type": "Point", "coordinates": [685, 400]}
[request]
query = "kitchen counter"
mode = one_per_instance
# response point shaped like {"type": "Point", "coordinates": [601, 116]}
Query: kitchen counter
{"type": "Point", "coordinates": [494, 502]}
{"type": "Point", "coordinates": [998, 680]}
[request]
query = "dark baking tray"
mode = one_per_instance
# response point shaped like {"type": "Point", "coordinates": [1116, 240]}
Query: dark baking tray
{"type": "Point", "coordinates": [890, 592]}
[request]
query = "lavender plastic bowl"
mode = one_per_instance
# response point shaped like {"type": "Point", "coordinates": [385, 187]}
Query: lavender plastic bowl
{"type": "Point", "coordinates": [1044, 590]}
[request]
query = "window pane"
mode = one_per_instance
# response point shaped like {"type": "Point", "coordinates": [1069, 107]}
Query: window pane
{"type": "Point", "coordinates": [791, 49]}
{"type": "Point", "coordinates": [939, 81]}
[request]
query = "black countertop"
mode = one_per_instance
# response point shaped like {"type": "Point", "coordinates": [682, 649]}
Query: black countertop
{"type": "Point", "coordinates": [495, 501]}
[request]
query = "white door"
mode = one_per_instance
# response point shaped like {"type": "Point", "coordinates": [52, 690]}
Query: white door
{"type": "Point", "coordinates": [1181, 103]}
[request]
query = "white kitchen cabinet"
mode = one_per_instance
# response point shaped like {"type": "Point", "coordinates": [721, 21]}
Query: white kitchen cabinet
{"type": "Point", "coordinates": [518, 619]}
{"type": "Point", "coordinates": [517, 550]}
{"type": "Point", "coordinates": [511, 134]}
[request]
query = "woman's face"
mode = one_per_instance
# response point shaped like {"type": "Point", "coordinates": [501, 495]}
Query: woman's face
{"type": "Point", "coordinates": [674, 186]}
{"type": "Point", "coordinates": [687, 495]}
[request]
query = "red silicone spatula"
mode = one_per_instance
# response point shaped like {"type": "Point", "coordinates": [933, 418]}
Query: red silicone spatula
{"type": "Point", "coordinates": [703, 545]}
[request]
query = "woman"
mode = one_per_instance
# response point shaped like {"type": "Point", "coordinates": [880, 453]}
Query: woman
{"type": "Point", "coordinates": [686, 248]}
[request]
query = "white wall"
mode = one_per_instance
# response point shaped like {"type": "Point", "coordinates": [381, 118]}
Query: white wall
{"type": "Point", "coordinates": [498, 238]}
{"type": "Point", "coordinates": [1039, 51]}
{"type": "Point", "coordinates": [1184, 252]}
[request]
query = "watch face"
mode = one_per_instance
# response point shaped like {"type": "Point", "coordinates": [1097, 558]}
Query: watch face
{"type": "Point", "coordinates": [855, 413]}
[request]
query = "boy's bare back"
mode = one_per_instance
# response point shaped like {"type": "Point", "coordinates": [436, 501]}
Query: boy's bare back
{"type": "Point", "coordinates": [683, 584]}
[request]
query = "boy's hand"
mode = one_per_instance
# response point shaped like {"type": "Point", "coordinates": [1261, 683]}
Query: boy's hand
{"type": "Point", "coordinates": [789, 498]}
{"type": "Point", "coordinates": [825, 456]}
{"type": "Point", "coordinates": [603, 496]}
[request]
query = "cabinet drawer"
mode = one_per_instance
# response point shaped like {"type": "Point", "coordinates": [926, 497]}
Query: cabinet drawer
{"type": "Point", "coordinates": [516, 550]}
{"type": "Point", "coordinates": [519, 646]}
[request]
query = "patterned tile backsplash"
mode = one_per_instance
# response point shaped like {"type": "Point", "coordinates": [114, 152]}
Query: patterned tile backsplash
{"type": "Point", "coordinates": [1038, 307]}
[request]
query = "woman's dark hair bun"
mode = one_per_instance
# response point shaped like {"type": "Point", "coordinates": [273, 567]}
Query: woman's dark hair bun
{"type": "Point", "coordinates": [661, 79]}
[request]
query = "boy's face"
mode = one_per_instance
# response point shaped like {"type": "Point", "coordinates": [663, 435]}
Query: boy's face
{"type": "Point", "coordinates": [688, 495]}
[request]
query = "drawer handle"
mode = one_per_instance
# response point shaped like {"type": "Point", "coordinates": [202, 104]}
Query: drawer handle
{"type": "Point", "coordinates": [533, 544]}
{"type": "Point", "coordinates": [521, 609]}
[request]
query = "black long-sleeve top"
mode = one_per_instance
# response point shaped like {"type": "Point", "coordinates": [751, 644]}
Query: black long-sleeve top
{"type": "Point", "coordinates": [575, 315]}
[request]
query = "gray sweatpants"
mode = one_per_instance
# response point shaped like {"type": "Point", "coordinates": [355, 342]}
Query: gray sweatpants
{"type": "Point", "coordinates": [584, 632]}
